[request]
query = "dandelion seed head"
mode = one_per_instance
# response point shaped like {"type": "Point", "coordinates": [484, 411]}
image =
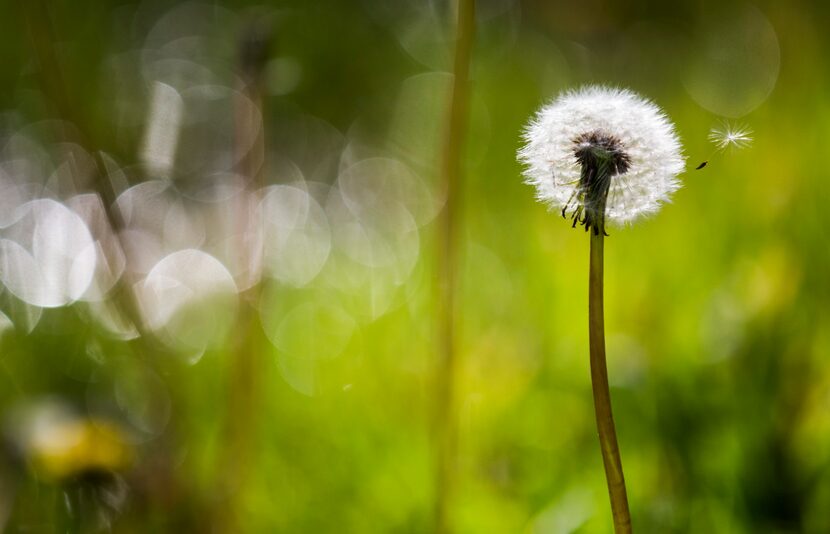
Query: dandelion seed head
{"type": "Point", "coordinates": [627, 135]}
{"type": "Point", "coordinates": [728, 136]}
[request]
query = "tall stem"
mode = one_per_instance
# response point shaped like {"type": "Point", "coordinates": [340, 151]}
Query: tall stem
{"type": "Point", "coordinates": [245, 367]}
{"type": "Point", "coordinates": [447, 266]}
{"type": "Point", "coordinates": [602, 396]}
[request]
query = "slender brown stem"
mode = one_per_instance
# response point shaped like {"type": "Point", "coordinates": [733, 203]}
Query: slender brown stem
{"type": "Point", "coordinates": [447, 257]}
{"type": "Point", "coordinates": [602, 396]}
{"type": "Point", "coordinates": [245, 366]}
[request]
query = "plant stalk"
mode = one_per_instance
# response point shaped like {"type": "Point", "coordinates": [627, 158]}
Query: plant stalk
{"type": "Point", "coordinates": [447, 268]}
{"type": "Point", "coordinates": [245, 387]}
{"type": "Point", "coordinates": [602, 396]}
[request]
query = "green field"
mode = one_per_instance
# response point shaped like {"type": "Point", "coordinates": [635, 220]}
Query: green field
{"type": "Point", "coordinates": [255, 343]}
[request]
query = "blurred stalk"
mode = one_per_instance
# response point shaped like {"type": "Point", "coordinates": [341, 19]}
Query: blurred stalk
{"type": "Point", "coordinates": [162, 485]}
{"type": "Point", "coordinates": [602, 396]}
{"type": "Point", "coordinates": [448, 241]}
{"type": "Point", "coordinates": [58, 101]}
{"type": "Point", "coordinates": [245, 366]}
{"type": "Point", "coordinates": [50, 73]}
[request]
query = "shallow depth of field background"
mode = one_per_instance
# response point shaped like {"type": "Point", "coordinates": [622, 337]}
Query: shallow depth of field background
{"type": "Point", "coordinates": [717, 326]}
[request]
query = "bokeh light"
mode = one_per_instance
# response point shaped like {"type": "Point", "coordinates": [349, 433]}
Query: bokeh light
{"type": "Point", "coordinates": [220, 233]}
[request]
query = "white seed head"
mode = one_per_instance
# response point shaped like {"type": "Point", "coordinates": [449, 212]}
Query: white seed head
{"type": "Point", "coordinates": [645, 153]}
{"type": "Point", "coordinates": [728, 136]}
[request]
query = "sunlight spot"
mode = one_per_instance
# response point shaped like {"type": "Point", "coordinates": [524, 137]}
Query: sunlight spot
{"type": "Point", "coordinates": [296, 234]}
{"type": "Point", "coordinates": [189, 300]}
{"type": "Point", "coordinates": [158, 150]}
{"type": "Point", "coordinates": [735, 60]}
{"type": "Point", "coordinates": [305, 338]}
{"type": "Point", "coordinates": [57, 267]}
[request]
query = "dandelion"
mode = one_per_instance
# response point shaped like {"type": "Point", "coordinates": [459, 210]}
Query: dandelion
{"type": "Point", "coordinates": [602, 155]}
{"type": "Point", "coordinates": [728, 136]}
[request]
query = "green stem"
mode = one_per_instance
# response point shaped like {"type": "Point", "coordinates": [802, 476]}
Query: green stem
{"type": "Point", "coordinates": [602, 396]}
{"type": "Point", "coordinates": [447, 266]}
{"type": "Point", "coordinates": [245, 387]}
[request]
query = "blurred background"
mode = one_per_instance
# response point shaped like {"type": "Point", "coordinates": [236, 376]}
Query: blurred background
{"type": "Point", "coordinates": [218, 271]}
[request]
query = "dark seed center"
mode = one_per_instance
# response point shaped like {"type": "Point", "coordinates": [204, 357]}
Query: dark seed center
{"type": "Point", "coordinates": [602, 157]}
{"type": "Point", "coordinates": [601, 149]}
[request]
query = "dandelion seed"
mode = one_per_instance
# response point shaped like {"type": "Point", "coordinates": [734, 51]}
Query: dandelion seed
{"type": "Point", "coordinates": [728, 136]}
{"type": "Point", "coordinates": [602, 154]}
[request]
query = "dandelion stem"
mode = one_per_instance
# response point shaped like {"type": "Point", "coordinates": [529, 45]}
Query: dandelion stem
{"type": "Point", "coordinates": [602, 396]}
